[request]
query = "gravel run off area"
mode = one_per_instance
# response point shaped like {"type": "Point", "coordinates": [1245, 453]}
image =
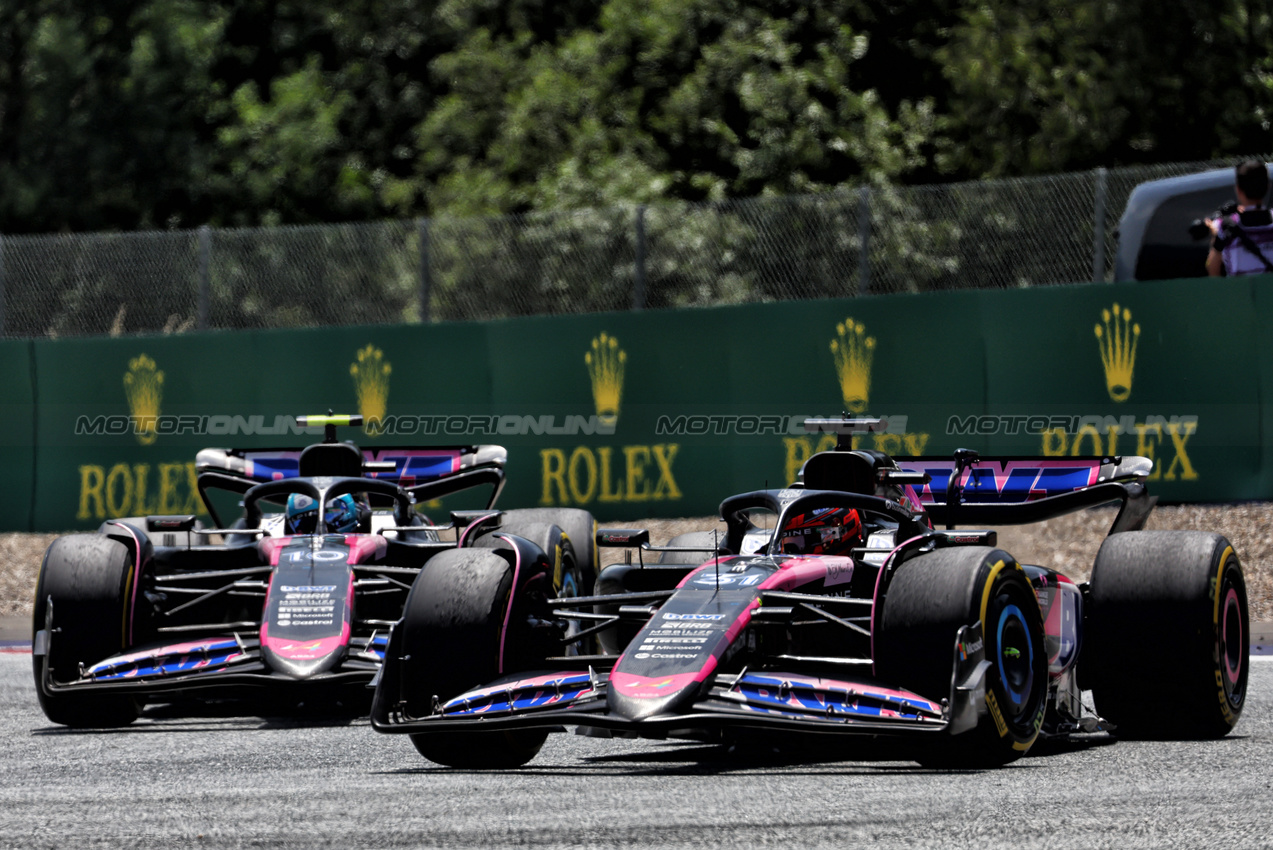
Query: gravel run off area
{"type": "Point", "coordinates": [1068, 544]}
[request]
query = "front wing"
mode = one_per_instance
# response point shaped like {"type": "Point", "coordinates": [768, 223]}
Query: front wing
{"type": "Point", "coordinates": [754, 700]}
{"type": "Point", "coordinates": [226, 661]}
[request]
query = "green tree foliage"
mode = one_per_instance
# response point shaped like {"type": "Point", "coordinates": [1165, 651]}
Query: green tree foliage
{"type": "Point", "coordinates": [709, 100]}
{"type": "Point", "coordinates": [102, 111]}
{"type": "Point", "coordinates": [174, 113]}
{"type": "Point", "coordinates": [1047, 87]}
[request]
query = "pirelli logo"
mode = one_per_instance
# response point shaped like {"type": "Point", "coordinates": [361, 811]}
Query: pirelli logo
{"type": "Point", "coordinates": [995, 713]}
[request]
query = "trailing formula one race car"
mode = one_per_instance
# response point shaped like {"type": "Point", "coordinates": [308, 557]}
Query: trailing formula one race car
{"type": "Point", "coordinates": [834, 606]}
{"type": "Point", "coordinates": [294, 605]}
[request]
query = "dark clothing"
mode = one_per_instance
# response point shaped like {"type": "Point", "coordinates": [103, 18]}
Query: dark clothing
{"type": "Point", "coordinates": [1239, 254]}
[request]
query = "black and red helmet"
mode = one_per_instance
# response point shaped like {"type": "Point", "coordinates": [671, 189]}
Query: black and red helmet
{"type": "Point", "coordinates": [824, 531]}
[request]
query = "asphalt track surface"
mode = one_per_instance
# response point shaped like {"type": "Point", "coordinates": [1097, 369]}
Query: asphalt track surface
{"type": "Point", "coordinates": [222, 781]}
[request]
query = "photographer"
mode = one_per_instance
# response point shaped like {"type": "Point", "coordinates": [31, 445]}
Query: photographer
{"type": "Point", "coordinates": [1242, 242]}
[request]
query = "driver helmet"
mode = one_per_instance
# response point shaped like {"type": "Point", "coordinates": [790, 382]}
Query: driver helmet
{"type": "Point", "coordinates": [302, 514]}
{"type": "Point", "coordinates": [825, 531]}
{"type": "Point", "coordinates": [342, 514]}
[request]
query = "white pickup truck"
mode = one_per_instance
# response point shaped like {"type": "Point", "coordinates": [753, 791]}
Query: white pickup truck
{"type": "Point", "coordinates": [1154, 242]}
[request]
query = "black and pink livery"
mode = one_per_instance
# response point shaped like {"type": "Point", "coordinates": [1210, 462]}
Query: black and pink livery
{"type": "Point", "coordinates": [928, 634]}
{"type": "Point", "coordinates": [148, 608]}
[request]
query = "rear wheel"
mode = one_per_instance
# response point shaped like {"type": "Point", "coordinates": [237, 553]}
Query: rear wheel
{"type": "Point", "coordinates": [929, 599]}
{"type": "Point", "coordinates": [87, 579]}
{"type": "Point", "coordinates": [460, 632]}
{"type": "Point", "coordinates": [568, 574]}
{"type": "Point", "coordinates": [1166, 651]}
{"type": "Point", "coordinates": [580, 529]}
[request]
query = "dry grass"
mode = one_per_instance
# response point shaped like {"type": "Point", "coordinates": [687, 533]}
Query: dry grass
{"type": "Point", "coordinates": [1067, 544]}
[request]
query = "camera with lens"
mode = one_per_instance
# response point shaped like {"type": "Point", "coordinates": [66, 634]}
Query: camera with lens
{"type": "Point", "coordinates": [1198, 227]}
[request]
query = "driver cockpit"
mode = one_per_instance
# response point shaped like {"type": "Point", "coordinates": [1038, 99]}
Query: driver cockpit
{"type": "Point", "coordinates": [344, 514]}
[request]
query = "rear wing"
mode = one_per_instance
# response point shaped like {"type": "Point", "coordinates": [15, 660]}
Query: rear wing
{"type": "Point", "coordinates": [425, 473]}
{"type": "Point", "coordinates": [1012, 490]}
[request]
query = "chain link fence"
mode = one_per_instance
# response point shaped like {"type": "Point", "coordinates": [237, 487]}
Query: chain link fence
{"type": "Point", "coordinates": [984, 235]}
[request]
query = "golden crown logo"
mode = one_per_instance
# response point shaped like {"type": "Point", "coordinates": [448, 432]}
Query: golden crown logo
{"type": "Point", "coordinates": [853, 351]}
{"type": "Point", "coordinates": [371, 382]}
{"type": "Point", "coordinates": [144, 387]}
{"type": "Point", "coordinates": [1117, 338]}
{"type": "Point", "coordinates": [606, 362]}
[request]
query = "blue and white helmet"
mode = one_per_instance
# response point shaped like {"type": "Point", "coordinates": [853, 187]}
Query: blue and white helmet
{"type": "Point", "coordinates": [302, 514]}
{"type": "Point", "coordinates": [342, 514]}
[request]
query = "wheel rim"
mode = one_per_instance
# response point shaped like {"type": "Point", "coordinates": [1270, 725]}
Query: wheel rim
{"type": "Point", "coordinates": [1231, 644]}
{"type": "Point", "coordinates": [569, 590]}
{"type": "Point", "coordinates": [1014, 653]}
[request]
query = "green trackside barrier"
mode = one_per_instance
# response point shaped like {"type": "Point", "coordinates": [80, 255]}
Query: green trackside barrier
{"type": "Point", "coordinates": [663, 413]}
{"type": "Point", "coordinates": [217, 389]}
{"type": "Point", "coordinates": [1255, 366]}
{"type": "Point", "coordinates": [17, 455]}
{"type": "Point", "coordinates": [1168, 370]}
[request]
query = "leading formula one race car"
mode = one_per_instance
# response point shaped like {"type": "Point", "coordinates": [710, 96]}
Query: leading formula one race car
{"type": "Point", "coordinates": [294, 605]}
{"type": "Point", "coordinates": [835, 606]}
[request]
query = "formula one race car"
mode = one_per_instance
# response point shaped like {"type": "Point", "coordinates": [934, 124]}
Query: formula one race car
{"type": "Point", "coordinates": [834, 606]}
{"type": "Point", "coordinates": [294, 604]}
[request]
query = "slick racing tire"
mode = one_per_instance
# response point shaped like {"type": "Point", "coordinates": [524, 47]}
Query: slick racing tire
{"type": "Point", "coordinates": [86, 580]}
{"type": "Point", "coordinates": [928, 600]}
{"type": "Point", "coordinates": [705, 540]}
{"type": "Point", "coordinates": [1166, 649]}
{"type": "Point", "coordinates": [460, 631]}
{"type": "Point", "coordinates": [568, 575]}
{"type": "Point", "coordinates": [580, 529]}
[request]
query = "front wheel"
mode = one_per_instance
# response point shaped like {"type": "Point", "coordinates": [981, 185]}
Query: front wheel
{"type": "Point", "coordinates": [87, 579]}
{"type": "Point", "coordinates": [929, 599]}
{"type": "Point", "coordinates": [461, 629]}
{"type": "Point", "coordinates": [1168, 637]}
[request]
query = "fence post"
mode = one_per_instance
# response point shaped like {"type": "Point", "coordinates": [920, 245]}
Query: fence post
{"type": "Point", "coordinates": [864, 239]}
{"type": "Point", "coordinates": [204, 296]}
{"type": "Point", "coordinates": [1098, 228]}
{"type": "Point", "coordinates": [426, 274]}
{"type": "Point", "coordinates": [638, 283]}
{"type": "Point", "coordinates": [1, 286]}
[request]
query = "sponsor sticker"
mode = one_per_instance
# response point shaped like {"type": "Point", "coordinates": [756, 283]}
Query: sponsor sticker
{"type": "Point", "coordinates": [709, 578]}
{"type": "Point", "coordinates": [839, 571]}
{"type": "Point", "coordinates": [306, 605]}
